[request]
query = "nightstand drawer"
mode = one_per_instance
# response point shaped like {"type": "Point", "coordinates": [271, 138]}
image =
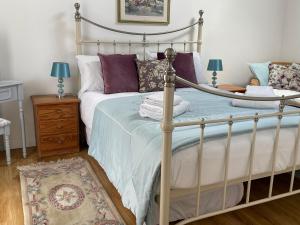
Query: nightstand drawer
{"type": "Point", "coordinates": [49, 127]}
{"type": "Point", "coordinates": [55, 112]}
{"type": "Point", "coordinates": [8, 94]}
{"type": "Point", "coordinates": [63, 141]}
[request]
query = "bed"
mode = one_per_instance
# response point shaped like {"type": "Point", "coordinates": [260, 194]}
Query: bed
{"type": "Point", "coordinates": [195, 167]}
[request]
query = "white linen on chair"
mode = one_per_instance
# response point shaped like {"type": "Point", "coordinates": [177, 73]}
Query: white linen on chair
{"type": "Point", "coordinates": [4, 122]}
{"type": "Point", "coordinates": [260, 91]}
{"type": "Point", "coordinates": [287, 93]}
{"type": "Point", "coordinates": [257, 91]}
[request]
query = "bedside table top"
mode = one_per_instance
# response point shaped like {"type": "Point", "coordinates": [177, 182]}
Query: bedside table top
{"type": "Point", "coordinates": [53, 99]}
{"type": "Point", "coordinates": [8, 83]}
{"type": "Point", "coordinates": [232, 88]}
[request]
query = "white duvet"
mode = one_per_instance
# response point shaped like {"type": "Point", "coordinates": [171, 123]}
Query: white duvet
{"type": "Point", "coordinates": [184, 163]}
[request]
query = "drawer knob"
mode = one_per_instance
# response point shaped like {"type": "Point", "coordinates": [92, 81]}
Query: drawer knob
{"type": "Point", "coordinates": [59, 126]}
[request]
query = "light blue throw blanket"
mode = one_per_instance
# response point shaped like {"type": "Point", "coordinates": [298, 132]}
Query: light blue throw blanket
{"type": "Point", "coordinates": [128, 146]}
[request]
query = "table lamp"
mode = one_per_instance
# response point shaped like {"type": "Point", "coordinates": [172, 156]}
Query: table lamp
{"type": "Point", "coordinates": [60, 70]}
{"type": "Point", "coordinates": [215, 65]}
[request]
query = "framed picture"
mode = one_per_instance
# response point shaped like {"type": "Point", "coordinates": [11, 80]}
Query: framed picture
{"type": "Point", "coordinates": [144, 11]}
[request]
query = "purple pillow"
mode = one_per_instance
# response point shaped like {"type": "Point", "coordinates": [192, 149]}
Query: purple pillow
{"type": "Point", "coordinates": [119, 73]}
{"type": "Point", "coordinates": [184, 66]}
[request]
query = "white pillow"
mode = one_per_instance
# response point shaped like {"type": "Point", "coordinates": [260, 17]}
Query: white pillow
{"type": "Point", "coordinates": [199, 68]}
{"type": "Point", "coordinates": [149, 55]}
{"type": "Point", "coordinates": [90, 71]}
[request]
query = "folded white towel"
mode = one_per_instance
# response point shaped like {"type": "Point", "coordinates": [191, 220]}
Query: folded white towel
{"type": "Point", "coordinates": [157, 99]}
{"type": "Point", "coordinates": [156, 112]}
{"type": "Point", "coordinates": [260, 91]}
{"type": "Point", "coordinates": [256, 104]}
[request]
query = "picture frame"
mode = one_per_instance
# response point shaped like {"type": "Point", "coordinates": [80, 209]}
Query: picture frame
{"type": "Point", "coordinates": [144, 11]}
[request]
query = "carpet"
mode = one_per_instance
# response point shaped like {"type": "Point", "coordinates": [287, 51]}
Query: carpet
{"type": "Point", "coordinates": [66, 192]}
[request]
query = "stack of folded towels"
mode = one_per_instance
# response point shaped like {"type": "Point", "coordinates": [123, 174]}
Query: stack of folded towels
{"type": "Point", "coordinates": [257, 91]}
{"type": "Point", "coordinates": [152, 106]}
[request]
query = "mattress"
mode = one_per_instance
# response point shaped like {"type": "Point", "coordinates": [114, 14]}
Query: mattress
{"type": "Point", "coordinates": [184, 163]}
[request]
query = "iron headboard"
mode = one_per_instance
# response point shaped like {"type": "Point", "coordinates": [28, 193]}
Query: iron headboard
{"type": "Point", "coordinates": [143, 43]}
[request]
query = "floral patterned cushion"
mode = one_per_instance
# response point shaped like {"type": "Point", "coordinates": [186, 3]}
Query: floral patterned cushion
{"type": "Point", "coordinates": [283, 77]}
{"type": "Point", "coordinates": [151, 74]}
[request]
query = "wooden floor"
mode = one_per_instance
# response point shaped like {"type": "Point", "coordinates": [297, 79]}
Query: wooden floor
{"type": "Point", "coordinates": [280, 212]}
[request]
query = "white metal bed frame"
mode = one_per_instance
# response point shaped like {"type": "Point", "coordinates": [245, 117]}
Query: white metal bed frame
{"type": "Point", "coordinates": [167, 126]}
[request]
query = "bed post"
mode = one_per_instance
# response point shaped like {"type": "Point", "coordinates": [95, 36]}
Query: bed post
{"type": "Point", "coordinates": [78, 29]}
{"type": "Point", "coordinates": [167, 129]}
{"type": "Point", "coordinates": [200, 25]}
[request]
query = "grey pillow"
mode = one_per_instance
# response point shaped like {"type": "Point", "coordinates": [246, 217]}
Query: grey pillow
{"type": "Point", "coordinates": [151, 74]}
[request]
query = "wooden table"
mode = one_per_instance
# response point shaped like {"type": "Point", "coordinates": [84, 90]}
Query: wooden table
{"type": "Point", "coordinates": [232, 88]}
{"type": "Point", "coordinates": [13, 91]}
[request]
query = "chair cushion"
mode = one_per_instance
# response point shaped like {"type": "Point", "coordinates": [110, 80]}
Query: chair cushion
{"type": "Point", "coordinates": [261, 72]}
{"type": "Point", "coordinates": [285, 77]}
{"type": "Point", "coordinates": [4, 122]}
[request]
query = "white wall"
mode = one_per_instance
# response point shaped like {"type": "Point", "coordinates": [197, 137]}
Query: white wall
{"type": "Point", "coordinates": [291, 33]}
{"type": "Point", "coordinates": [33, 33]}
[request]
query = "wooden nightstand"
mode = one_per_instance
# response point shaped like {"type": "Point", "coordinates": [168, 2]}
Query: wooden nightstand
{"type": "Point", "coordinates": [56, 124]}
{"type": "Point", "coordinates": [232, 88]}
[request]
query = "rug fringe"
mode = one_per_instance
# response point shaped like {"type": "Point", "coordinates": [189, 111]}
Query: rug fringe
{"type": "Point", "coordinates": [42, 164]}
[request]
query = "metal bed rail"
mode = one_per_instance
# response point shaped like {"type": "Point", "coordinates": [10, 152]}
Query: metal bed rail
{"type": "Point", "coordinates": [143, 44]}
{"type": "Point", "coordinates": [168, 126]}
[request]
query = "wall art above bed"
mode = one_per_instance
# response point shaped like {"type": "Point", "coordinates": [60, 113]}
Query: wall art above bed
{"type": "Point", "coordinates": [144, 11]}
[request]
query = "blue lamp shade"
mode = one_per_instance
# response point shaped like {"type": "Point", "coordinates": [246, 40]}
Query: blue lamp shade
{"type": "Point", "coordinates": [60, 70]}
{"type": "Point", "coordinates": [215, 65]}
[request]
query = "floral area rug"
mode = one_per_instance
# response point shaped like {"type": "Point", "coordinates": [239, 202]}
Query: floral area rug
{"type": "Point", "coordinates": [66, 192]}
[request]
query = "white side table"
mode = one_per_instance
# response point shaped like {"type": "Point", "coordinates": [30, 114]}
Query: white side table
{"type": "Point", "coordinates": [13, 91]}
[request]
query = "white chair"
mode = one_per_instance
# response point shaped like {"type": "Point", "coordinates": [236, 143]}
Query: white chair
{"type": "Point", "coordinates": [5, 131]}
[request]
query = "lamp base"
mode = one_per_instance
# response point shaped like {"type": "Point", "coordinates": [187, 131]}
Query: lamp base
{"type": "Point", "coordinates": [60, 86]}
{"type": "Point", "coordinates": [214, 79]}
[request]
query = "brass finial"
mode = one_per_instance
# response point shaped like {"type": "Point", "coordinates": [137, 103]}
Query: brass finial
{"type": "Point", "coordinates": [170, 76]}
{"type": "Point", "coordinates": [201, 12]}
{"type": "Point", "coordinates": [170, 55]}
{"type": "Point", "coordinates": [282, 104]}
{"type": "Point", "coordinates": [77, 13]}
